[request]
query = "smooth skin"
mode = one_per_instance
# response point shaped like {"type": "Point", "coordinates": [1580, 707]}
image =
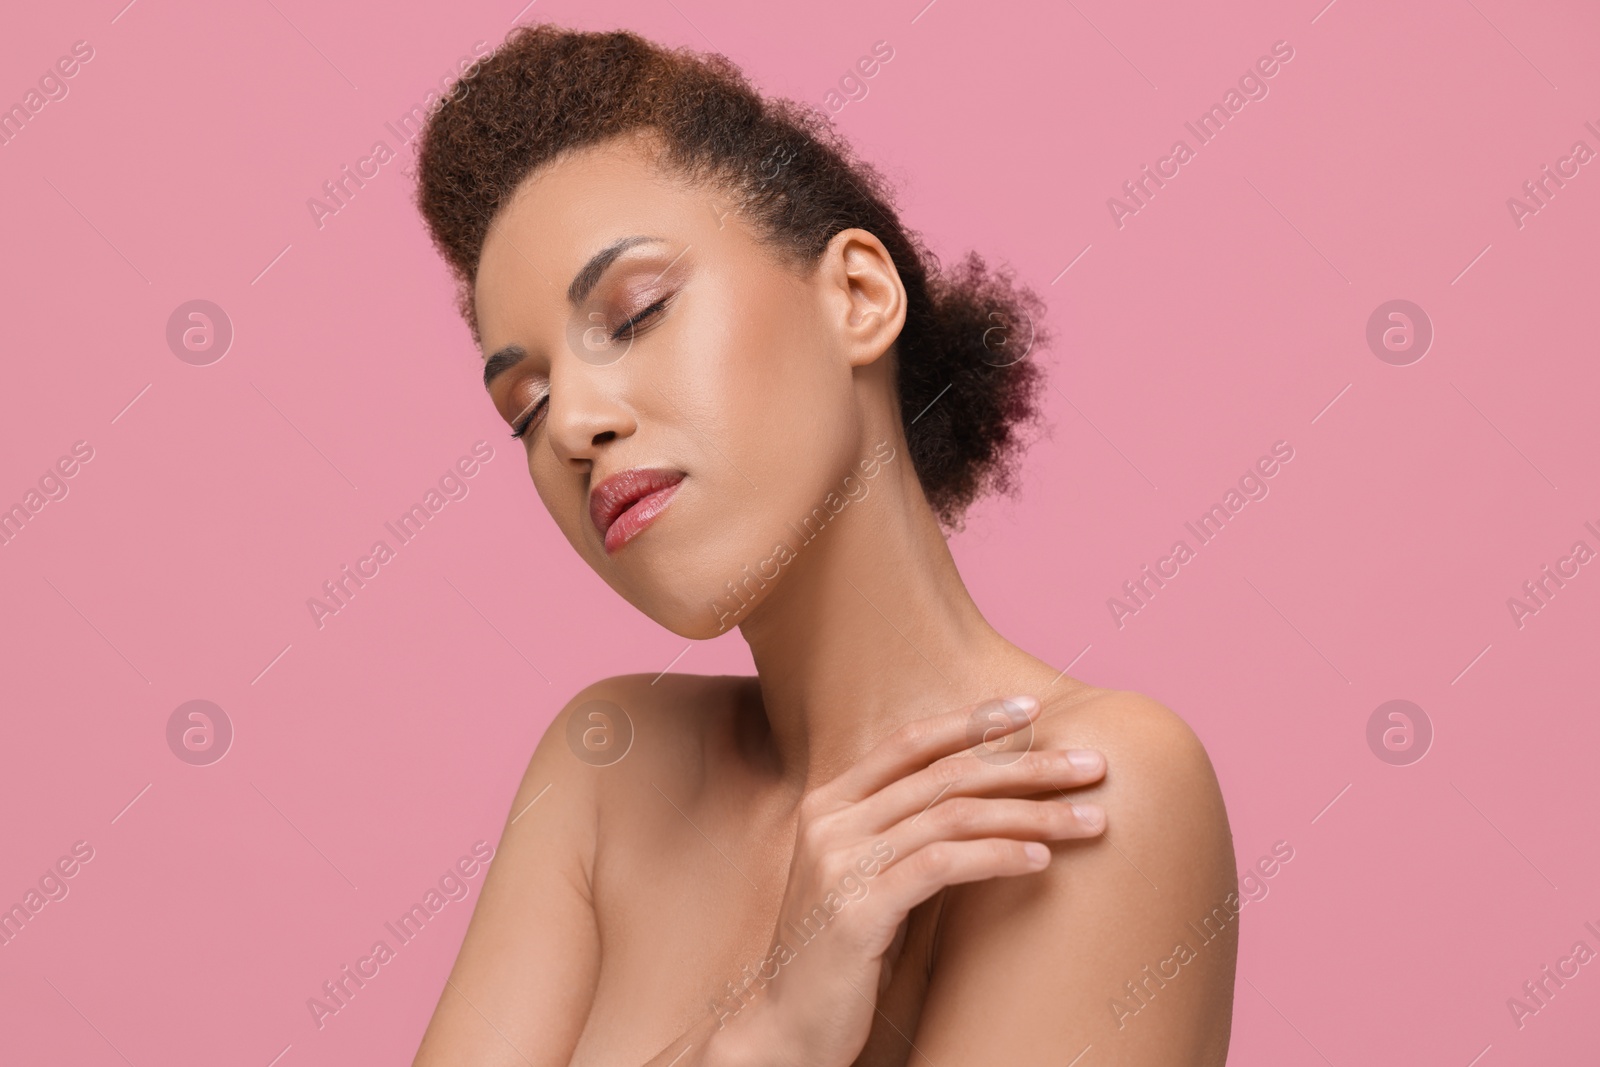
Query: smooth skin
{"type": "Point", "coordinates": [633, 909]}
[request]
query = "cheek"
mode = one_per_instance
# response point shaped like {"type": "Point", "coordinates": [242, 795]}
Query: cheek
{"type": "Point", "coordinates": [771, 398]}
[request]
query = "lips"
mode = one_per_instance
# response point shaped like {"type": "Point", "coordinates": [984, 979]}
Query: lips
{"type": "Point", "coordinates": [628, 501]}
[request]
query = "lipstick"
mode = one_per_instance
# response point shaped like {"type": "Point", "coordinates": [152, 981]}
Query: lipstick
{"type": "Point", "coordinates": [623, 505]}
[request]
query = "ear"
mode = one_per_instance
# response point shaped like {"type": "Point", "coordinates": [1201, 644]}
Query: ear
{"type": "Point", "coordinates": [864, 289]}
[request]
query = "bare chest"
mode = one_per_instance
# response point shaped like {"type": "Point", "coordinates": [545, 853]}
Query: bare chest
{"type": "Point", "coordinates": [686, 910]}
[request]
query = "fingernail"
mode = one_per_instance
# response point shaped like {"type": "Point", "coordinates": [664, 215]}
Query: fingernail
{"type": "Point", "coordinates": [1092, 815]}
{"type": "Point", "coordinates": [1021, 708]}
{"type": "Point", "coordinates": [1036, 852]}
{"type": "Point", "coordinates": [1084, 759]}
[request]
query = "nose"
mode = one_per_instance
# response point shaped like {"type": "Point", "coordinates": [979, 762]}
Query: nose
{"type": "Point", "coordinates": [586, 409]}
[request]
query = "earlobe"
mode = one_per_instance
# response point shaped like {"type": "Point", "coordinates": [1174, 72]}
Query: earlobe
{"type": "Point", "coordinates": [874, 295]}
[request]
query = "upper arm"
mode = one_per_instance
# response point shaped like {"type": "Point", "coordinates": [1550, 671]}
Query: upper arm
{"type": "Point", "coordinates": [1125, 943]}
{"type": "Point", "coordinates": [523, 982]}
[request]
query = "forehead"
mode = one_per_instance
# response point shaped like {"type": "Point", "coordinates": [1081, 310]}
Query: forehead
{"type": "Point", "coordinates": [571, 208]}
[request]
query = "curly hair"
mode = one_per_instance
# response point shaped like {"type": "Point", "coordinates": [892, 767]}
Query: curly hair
{"type": "Point", "coordinates": [964, 393]}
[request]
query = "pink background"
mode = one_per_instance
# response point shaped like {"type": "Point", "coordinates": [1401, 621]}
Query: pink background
{"type": "Point", "coordinates": [1227, 314]}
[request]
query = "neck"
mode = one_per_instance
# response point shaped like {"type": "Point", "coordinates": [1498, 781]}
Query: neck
{"type": "Point", "coordinates": [870, 627]}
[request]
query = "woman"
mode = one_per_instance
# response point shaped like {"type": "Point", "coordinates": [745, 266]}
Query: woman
{"type": "Point", "coordinates": [750, 398]}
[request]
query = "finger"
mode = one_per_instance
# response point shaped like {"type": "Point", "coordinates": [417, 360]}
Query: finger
{"type": "Point", "coordinates": [918, 743]}
{"type": "Point", "coordinates": [971, 818]}
{"type": "Point", "coordinates": [968, 775]}
{"type": "Point", "coordinates": [918, 875]}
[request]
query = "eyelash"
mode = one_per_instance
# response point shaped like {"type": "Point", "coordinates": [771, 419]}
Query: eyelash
{"type": "Point", "coordinates": [521, 429]}
{"type": "Point", "coordinates": [643, 316]}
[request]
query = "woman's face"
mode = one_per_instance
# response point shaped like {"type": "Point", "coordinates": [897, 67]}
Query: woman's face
{"type": "Point", "coordinates": [636, 327]}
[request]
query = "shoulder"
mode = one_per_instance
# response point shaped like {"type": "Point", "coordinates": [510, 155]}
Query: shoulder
{"type": "Point", "coordinates": [623, 731]}
{"type": "Point", "coordinates": [1165, 814]}
{"type": "Point", "coordinates": [1151, 752]}
{"type": "Point", "coordinates": [1084, 942]}
{"type": "Point", "coordinates": [607, 745]}
{"type": "Point", "coordinates": [531, 955]}
{"type": "Point", "coordinates": [599, 723]}
{"type": "Point", "coordinates": [1120, 714]}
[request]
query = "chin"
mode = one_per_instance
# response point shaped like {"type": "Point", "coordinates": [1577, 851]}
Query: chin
{"type": "Point", "coordinates": [699, 571]}
{"type": "Point", "coordinates": [696, 587]}
{"type": "Point", "coordinates": [696, 608]}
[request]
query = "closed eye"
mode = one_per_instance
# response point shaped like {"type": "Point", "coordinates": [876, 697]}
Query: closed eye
{"type": "Point", "coordinates": [643, 316]}
{"type": "Point", "coordinates": [525, 422]}
{"type": "Point", "coordinates": [521, 426]}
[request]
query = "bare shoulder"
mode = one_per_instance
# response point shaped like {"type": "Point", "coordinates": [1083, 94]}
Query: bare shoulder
{"type": "Point", "coordinates": [1152, 754]}
{"type": "Point", "coordinates": [1127, 941]}
{"type": "Point", "coordinates": [1119, 713]}
{"type": "Point", "coordinates": [621, 732]}
{"type": "Point", "coordinates": [530, 959]}
{"type": "Point", "coordinates": [1166, 823]}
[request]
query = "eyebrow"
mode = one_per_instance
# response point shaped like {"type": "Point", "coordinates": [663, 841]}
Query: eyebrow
{"type": "Point", "coordinates": [500, 362]}
{"type": "Point", "coordinates": [583, 284]}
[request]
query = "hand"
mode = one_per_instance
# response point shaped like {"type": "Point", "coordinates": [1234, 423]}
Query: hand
{"type": "Point", "coordinates": [936, 804]}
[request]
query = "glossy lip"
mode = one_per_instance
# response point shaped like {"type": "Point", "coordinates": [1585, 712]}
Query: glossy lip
{"type": "Point", "coordinates": [622, 505]}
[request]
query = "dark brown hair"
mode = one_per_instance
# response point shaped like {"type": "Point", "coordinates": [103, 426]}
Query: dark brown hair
{"type": "Point", "coordinates": [964, 388]}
